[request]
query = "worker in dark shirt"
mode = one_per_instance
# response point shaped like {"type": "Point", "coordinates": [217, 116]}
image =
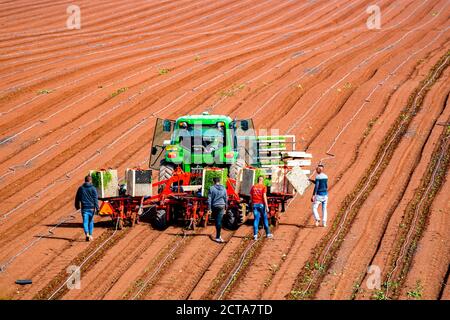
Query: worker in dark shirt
{"type": "Point", "coordinates": [217, 204]}
{"type": "Point", "coordinates": [320, 195]}
{"type": "Point", "coordinates": [87, 200]}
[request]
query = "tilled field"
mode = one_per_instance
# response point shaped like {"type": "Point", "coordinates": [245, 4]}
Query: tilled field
{"type": "Point", "coordinates": [373, 105]}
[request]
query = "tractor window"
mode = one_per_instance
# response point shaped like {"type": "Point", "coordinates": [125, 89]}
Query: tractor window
{"type": "Point", "coordinates": [245, 141]}
{"type": "Point", "coordinates": [201, 138]}
{"type": "Point", "coordinates": [161, 136]}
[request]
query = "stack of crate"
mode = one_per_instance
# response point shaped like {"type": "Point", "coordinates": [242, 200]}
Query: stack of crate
{"type": "Point", "coordinates": [278, 155]}
{"type": "Point", "coordinates": [270, 148]}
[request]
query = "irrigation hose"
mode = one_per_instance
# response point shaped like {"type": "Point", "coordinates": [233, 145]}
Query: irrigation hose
{"type": "Point", "coordinates": [239, 266]}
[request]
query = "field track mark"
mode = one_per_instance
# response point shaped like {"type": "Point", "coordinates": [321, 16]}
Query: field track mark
{"type": "Point", "coordinates": [309, 279]}
{"type": "Point", "coordinates": [416, 217]}
{"type": "Point", "coordinates": [352, 260]}
{"type": "Point", "coordinates": [432, 257]}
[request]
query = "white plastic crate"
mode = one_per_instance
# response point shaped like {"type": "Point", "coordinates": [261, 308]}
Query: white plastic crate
{"type": "Point", "coordinates": [106, 182]}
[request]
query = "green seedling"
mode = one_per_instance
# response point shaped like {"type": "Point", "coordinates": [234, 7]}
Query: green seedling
{"type": "Point", "coordinates": [44, 91]}
{"type": "Point", "coordinates": [119, 91]}
{"type": "Point", "coordinates": [379, 295]}
{"type": "Point", "coordinates": [417, 292]}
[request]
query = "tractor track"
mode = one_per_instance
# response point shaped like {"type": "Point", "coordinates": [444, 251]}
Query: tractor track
{"type": "Point", "coordinates": [53, 45]}
{"type": "Point", "coordinates": [92, 53]}
{"type": "Point", "coordinates": [103, 275]}
{"type": "Point", "coordinates": [278, 279]}
{"type": "Point", "coordinates": [166, 261]}
{"type": "Point", "coordinates": [89, 257]}
{"type": "Point", "coordinates": [53, 22]}
{"type": "Point", "coordinates": [129, 21]}
{"type": "Point", "coordinates": [89, 64]}
{"type": "Point", "coordinates": [112, 58]}
{"type": "Point", "coordinates": [124, 157]}
{"type": "Point", "coordinates": [63, 32]}
{"type": "Point", "coordinates": [280, 258]}
{"type": "Point", "coordinates": [289, 86]}
{"type": "Point", "coordinates": [130, 43]}
{"type": "Point", "coordinates": [308, 280]}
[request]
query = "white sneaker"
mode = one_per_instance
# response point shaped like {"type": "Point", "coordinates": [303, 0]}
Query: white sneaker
{"type": "Point", "coordinates": [317, 223]}
{"type": "Point", "coordinates": [255, 237]}
{"type": "Point", "coordinates": [324, 224]}
{"type": "Point", "coordinates": [269, 236]}
{"type": "Point", "coordinates": [219, 240]}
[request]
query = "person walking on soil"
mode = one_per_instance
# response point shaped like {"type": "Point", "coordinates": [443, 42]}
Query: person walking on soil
{"type": "Point", "coordinates": [320, 195]}
{"type": "Point", "coordinates": [258, 195]}
{"type": "Point", "coordinates": [217, 204]}
{"type": "Point", "coordinates": [87, 200]}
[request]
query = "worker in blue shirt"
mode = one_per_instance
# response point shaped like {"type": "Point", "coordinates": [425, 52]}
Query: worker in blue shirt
{"type": "Point", "coordinates": [87, 200]}
{"type": "Point", "coordinates": [320, 195]}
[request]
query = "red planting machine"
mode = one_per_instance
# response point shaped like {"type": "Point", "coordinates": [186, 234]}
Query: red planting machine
{"type": "Point", "coordinates": [185, 150]}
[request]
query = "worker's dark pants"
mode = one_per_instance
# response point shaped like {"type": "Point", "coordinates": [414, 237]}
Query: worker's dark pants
{"type": "Point", "coordinates": [218, 213]}
{"type": "Point", "coordinates": [88, 220]}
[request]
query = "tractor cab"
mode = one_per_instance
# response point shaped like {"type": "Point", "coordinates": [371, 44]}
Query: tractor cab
{"type": "Point", "coordinates": [195, 141]}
